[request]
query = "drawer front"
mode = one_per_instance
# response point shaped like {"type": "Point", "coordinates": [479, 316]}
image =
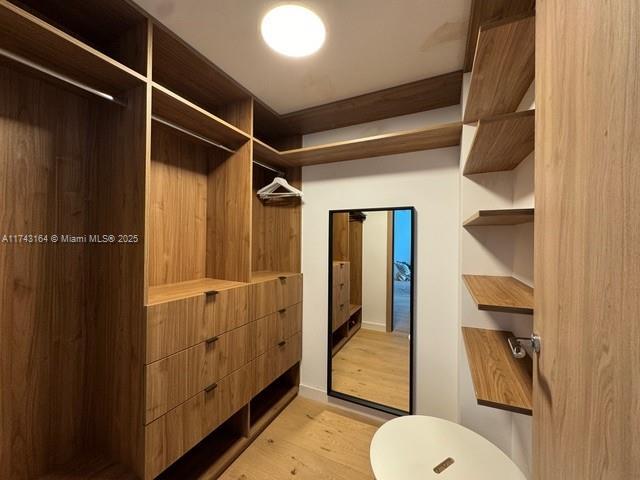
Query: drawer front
{"type": "Point", "coordinates": [272, 329]}
{"type": "Point", "coordinates": [174, 326]}
{"type": "Point", "coordinates": [275, 362]}
{"type": "Point", "coordinates": [273, 295]}
{"type": "Point", "coordinates": [227, 309]}
{"type": "Point", "coordinates": [341, 294]}
{"type": "Point", "coordinates": [174, 379]}
{"type": "Point", "coordinates": [172, 435]}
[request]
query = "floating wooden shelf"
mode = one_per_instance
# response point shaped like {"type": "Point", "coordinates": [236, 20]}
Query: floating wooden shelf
{"type": "Point", "coordinates": [501, 142]}
{"type": "Point", "coordinates": [169, 106]}
{"type": "Point", "coordinates": [268, 154]}
{"type": "Point", "coordinates": [191, 288]}
{"type": "Point", "coordinates": [500, 294]}
{"type": "Point", "coordinates": [34, 40]}
{"type": "Point", "coordinates": [499, 380]}
{"type": "Point", "coordinates": [509, 216]}
{"type": "Point", "coordinates": [438, 136]}
{"type": "Point", "coordinates": [503, 68]}
{"type": "Point", "coordinates": [353, 309]}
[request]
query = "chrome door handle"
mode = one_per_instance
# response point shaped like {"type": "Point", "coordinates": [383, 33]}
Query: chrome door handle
{"type": "Point", "coordinates": [517, 348]}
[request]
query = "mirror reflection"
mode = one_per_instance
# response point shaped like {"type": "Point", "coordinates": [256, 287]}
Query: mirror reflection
{"type": "Point", "coordinates": [371, 298]}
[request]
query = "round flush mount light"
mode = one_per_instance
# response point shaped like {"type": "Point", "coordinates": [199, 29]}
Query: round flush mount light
{"type": "Point", "coordinates": [293, 30]}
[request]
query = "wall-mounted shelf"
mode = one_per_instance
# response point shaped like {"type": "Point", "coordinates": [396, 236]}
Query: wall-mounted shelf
{"type": "Point", "coordinates": [500, 294]}
{"type": "Point", "coordinates": [179, 111]}
{"type": "Point", "coordinates": [266, 153]}
{"type": "Point", "coordinates": [34, 40]}
{"type": "Point", "coordinates": [438, 136]}
{"type": "Point", "coordinates": [509, 216]}
{"type": "Point", "coordinates": [503, 68]}
{"type": "Point", "coordinates": [501, 142]}
{"type": "Point", "coordinates": [191, 288]}
{"type": "Point", "coordinates": [499, 380]}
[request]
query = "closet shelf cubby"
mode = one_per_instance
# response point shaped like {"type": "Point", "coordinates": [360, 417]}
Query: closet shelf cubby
{"type": "Point", "coordinates": [508, 216]}
{"type": "Point", "coordinates": [30, 38]}
{"type": "Point", "coordinates": [181, 112]}
{"type": "Point", "coordinates": [438, 136]}
{"type": "Point", "coordinates": [500, 294]}
{"type": "Point", "coordinates": [190, 288]}
{"type": "Point", "coordinates": [501, 142]}
{"type": "Point", "coordinates": [503, 68]}
{"type": "Point", "coordinates": [499, 380]}
{"type": "Point", "coordinates": [353, 309]}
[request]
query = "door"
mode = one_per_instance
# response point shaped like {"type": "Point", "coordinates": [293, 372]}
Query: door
{"type": "Point", "coordinates": [587, 240]}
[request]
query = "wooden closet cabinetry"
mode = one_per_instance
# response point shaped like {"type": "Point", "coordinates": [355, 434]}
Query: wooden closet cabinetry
{"type": "Point", "coordinates": [341, 293]}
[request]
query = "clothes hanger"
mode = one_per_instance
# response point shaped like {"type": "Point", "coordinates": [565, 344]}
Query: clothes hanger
{"type": "Point", "coordinates": [268, 192]}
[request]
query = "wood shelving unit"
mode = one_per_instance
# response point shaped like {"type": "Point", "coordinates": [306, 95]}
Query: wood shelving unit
{"type": "Point", "coordinates": [501, 142]}
{"type": "Point", "coordinates": [268, 154]}
{"type": "Point", "coordinates": [33, 39]}
{"type": "Point", "coordinates": [503, 68]}
{"type": "Point", "coordinates": [500, 294]}
{"type": "Point", "coordinates": [172, 107]}
{"type": "Point", "coordinates": [499, 380]}
{"type": "Point", "coordinates": [508, 216]}
{"type": "Point", "coordinates": [353, 309]}
{"type": "Point", "coordinates": [177, 291]}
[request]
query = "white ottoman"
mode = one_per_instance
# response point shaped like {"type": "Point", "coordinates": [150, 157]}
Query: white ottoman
{"type": "Point", "coordinates": [414, 447]}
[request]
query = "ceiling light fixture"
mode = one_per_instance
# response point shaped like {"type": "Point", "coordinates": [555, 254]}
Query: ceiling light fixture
{"type": "Point", "coordinates": [293, 30]}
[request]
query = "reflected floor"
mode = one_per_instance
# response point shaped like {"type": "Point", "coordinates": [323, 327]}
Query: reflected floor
{"type": "Point", "coordinates": [374, 366]}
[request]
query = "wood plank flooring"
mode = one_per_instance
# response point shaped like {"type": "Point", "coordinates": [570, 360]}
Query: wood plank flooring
{"type": "Point", "coordinates": [308, 441]}
{"type": "Point", "coordinates": [374, 366]}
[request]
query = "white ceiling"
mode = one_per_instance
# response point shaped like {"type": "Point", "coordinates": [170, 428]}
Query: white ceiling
{"type": "Point", "coordinates": [371, 44]}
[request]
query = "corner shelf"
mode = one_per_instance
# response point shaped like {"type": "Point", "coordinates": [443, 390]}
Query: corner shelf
{"type": "Point", "coordinates": [499, 380]}
{"type": "Point", "coordinates": [268, 154]}
{"type": "Point", "coordinates": [439, 136]}
{"type": "Point", "coordinates": [500, 294]}
{"type": "Point", "coordinates": [509, 216]}
{"type": "Point", "coordinates": [191, 288]}
{"type": "Point", "coordinates": [503, 68]}
{"type": "Point", "coordinates": [179, 111]}
{"type": "Point", "coordinates": [27, 36]}
{"type": "Point", "coordinates": [501, 142]}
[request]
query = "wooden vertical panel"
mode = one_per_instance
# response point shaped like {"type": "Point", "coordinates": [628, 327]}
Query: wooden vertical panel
{"type": "Point", "coordinates": [340, 238]}
{"type": "Point", "coordinates": [178, 207]}
{"type": "Point", "coordinates": [44, 172]}
{"type": "Point", "coordinates": [587, 240]}
{"type": "Point", "coordinates": [116, 355]}
{"type": "Point", "coordinates": [355, 260]}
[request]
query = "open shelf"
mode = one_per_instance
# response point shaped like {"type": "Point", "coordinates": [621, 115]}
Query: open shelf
{"type": "Point", "coordinates": [34, 40]}
{"type": "Point", "coordinates": [438, 136]}
{"type": "Point", "coordinates": [191, 288]}
{"type": "Point", "coordinates": [503, 68]}
{"type": "Point", "coordinates": [501, 142]}
{"type": "Point", "coordinates": [499, 380]}
{"type": "Point", "coordinates": [508, 216]}
{"type": "Point", "coordinates": [500, 294]}
{"type": "Point", "coordinates": [266, 275]}
{"type": "Point", "coordinates": [268, 404]}
{"type": "Point", "coordinates": [353, 309]}
{"type": "Point", "coordinates": [172, 107]}
{"type": "Point", "coordinates": [265, 153]}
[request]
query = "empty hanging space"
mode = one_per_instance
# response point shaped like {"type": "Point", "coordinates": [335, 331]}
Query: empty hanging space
{"type": "Point", "coordinates": [506, 216]}
{"type": "Point", "coordinates": [501, 142]}
{"type": "Point", "coordinates": [503, 68]}
{"type": "Point", "coordinates": [107, 63]}
{"type": "Point", "coordinates": [499, 379]}
{"type": "Point", "coordinates": [500, 294]}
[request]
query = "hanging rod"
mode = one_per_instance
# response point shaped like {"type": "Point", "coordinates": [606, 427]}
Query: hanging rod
{"type": "Point", "coordinates": [269, 167]}
{"type": "Point", "coordinates": [59, 76]}
{"type": "Point", "coordinates": [190, 133]}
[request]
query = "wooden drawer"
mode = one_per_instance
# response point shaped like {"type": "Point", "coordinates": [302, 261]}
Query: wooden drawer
{"type": "Point", "coordinates": [172, 435]}
{"type": "Point", "coordinates": [174, 326]}
{"type": "Point", "coordinates": [276, 361]}
{"type": "Point", "coordinates": [272, 329]}
{"type": "Point", "coordinates": [272, 295]}
{"type": "Point", "coordinates": [340, 294]}
{"type": "Point", "coordinates": [178, 377]}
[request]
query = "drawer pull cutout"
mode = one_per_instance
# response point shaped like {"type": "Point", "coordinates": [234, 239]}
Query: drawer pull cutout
{"type": "Point", "coordinates": [211, 388]}
{"type": "Point", "coordinates": [282, 310]}
{"type": "Point", "coordinates": [211, 340]}
{"type": "Point", "coordinates": [211, 293]}
{"type": "Point", "coordinates": [282, 343]}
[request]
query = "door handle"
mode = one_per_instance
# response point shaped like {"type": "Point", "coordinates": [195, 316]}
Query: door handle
{"type": "Point", "coordinates": [516, 345]}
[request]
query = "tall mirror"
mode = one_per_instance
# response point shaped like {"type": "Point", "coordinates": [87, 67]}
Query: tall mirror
{"type": "Point", "coordinates": [370, 324]}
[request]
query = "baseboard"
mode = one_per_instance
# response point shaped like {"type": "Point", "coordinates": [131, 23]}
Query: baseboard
{"type": "Point", "coordinates": [374, 326]}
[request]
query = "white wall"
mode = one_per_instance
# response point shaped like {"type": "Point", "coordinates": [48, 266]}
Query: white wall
{"type": "Point", "coordinates": [428, 180]}
{"type": "Point", "coordinates": [495, 251]}
{"type": "Point", "coordinates": [374, 271]}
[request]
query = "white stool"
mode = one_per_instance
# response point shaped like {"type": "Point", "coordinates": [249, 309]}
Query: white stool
{"type": "Point", "coordinates": [411, 447]}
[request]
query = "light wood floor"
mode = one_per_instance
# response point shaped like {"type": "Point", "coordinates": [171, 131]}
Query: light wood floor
{"type": "Point", "coordinates": [374, 366]}
{"type": "Point", "coordinates": [308, 441]}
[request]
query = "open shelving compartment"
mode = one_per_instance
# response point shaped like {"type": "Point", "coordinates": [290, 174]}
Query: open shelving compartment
{"type": "Point", "coordinates": [506, 216]}
{"type": "Point", "coordinates": [500, 294]}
